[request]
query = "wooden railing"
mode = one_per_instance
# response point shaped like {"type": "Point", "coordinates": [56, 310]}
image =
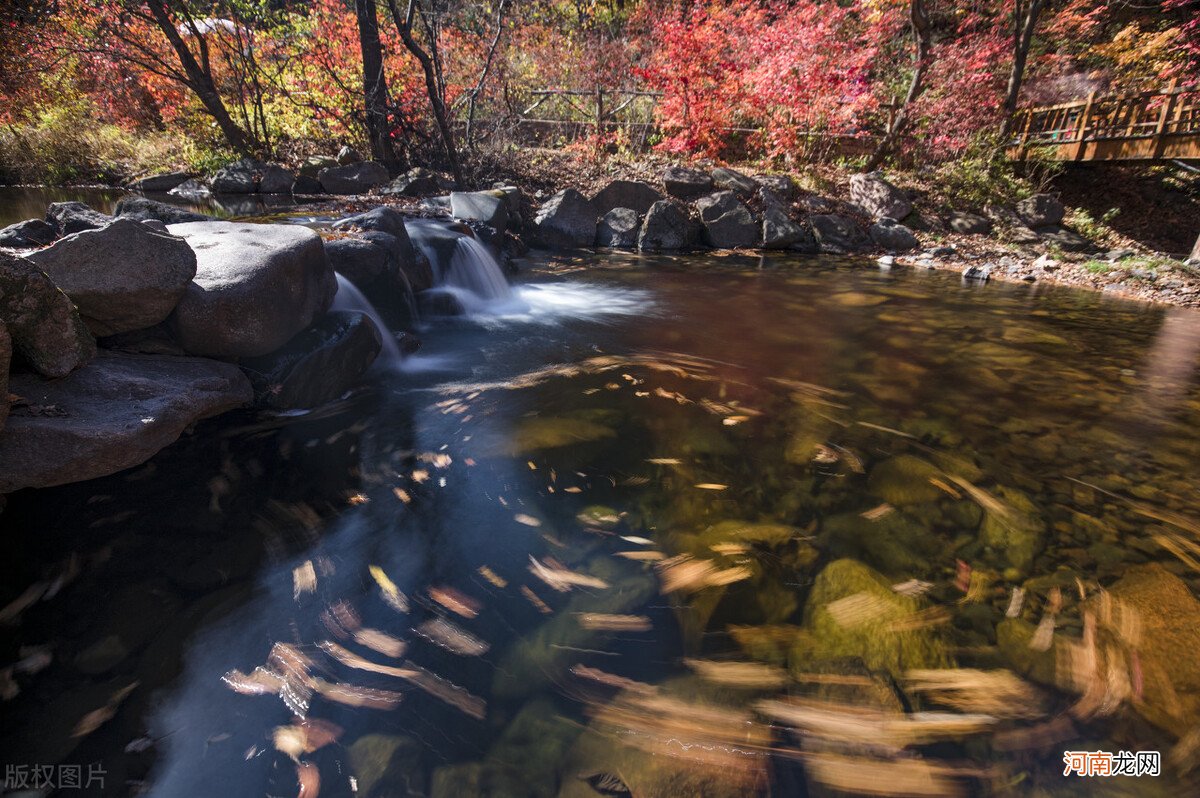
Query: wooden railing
{"type": "Point", "coordinates": [1144, 126]}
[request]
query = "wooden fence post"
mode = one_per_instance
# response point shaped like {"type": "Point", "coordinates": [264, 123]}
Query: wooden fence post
{"type": "Point", "coordinates": [1081, 131]}
{"type": "Point", "coordinates": [1160, 130]}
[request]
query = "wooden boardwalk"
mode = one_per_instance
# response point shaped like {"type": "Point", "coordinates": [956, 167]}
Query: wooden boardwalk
{"type": "Point", "coordinates": [1159, 125]}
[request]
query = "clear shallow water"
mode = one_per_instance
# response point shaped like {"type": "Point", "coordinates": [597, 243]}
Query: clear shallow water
{"type": "Point", "coordinates": [778, 428]}
{"type": "Point", "coordinates": [18, 203]}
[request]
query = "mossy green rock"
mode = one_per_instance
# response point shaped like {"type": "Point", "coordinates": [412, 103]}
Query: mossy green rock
{"type": "Point", "coordinates": [1016, 532]}
{"type": "Point", "coordinates": [1170, 642]}
{"type": "Point", "coordinates": [895, 544]}
{"type": "Point", "coordinates": [751, 532]}
{"type": "Point", "coordinates": [872, 640]}
{"type": "Point", "coordinates": [903, 480]}
{"type": "Point", "coordinates": [390, 762]}
{"type": "Point", "coordinates": [536, 434]}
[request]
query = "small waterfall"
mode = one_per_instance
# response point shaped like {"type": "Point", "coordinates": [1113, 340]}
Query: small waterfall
{"type": "Point", "coordinates": [473, 268]}
{"type": "Point", "coordinates": [348, 297]}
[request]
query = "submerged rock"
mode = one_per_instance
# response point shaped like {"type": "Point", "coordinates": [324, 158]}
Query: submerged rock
{"type": "Point", "coordinates": [142, 209]}
{"type": "Point", "coordinates": [878, 197]}
{"type": "Point", "coordinates": [618, 228]}
{"type": "Point", "coordinates": [384, 760]}
{"type": "Point", "coordinates": [665, 228]}
{"type": "Point", "coordinates": [566, 220]}
{"type": "Point", "coordinates": [319, 364]}
{"type": "Point", "coordinates": [27, 234]}
{"type": "Point", "coordinates": [895, 544]}
{"type": "Point", "coordinates": [870, 628]}
{"type": "Point", "coordinates": [45, 328]}
{"type": "Point", "coordinates": [112, 414]}
{"type": "Point", "coordinates": [632, 194]}
{"type": "Point", "coordinates": [122, 277]}
{"type": "Point", "coordinates": [256, 286]}
{"type": "Point", "coordinates": [74, 217]}
{"type": "Point", "coordinates": [903, 480]}
{"type": "Point", "coordinates": [1015, 530]}
{"type": "Point", "coordinates": [355, 178]}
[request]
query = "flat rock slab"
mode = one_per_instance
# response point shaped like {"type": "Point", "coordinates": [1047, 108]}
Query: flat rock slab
{"type": "Point", "coordinates": [112, 414]}
{"type": "Point", "coordinates": [256, 286]}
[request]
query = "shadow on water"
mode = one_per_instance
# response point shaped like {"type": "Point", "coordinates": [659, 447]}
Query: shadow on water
{"type": "Point", "coordinates": [648, 526]}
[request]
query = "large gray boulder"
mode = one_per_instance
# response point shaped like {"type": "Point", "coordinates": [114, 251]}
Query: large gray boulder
{"type": "Point", "coordinates": [891, 236]}
{"type": "Point", "coordinates": [239, 177]}
{"type": "Point", "coordinates": [27, 234]}
{"type": "Point", "coordinates": [256, 286]}
{"type": "Point", "coordinates": [359, 260]}
{"type": "Point", "coordinates": [878, 197]}
{"type": "Point", "coordinates": [142, 209]}
{"type": "Point", "coordinates": [319, 364]}
{"type": "Point", "coordinates": [969, 223]}
{"type": "Point", "coordinates": [779, 231]}
{"type": "Point", "coordinates": [733, 180]}
{"type": "Point", "coordinates": [313, 164]}
{"type": "Point", "coordinates": [45, 328]}
{"type": "Point", "coordinates": [838, 235]}
{"type": "Point", "coordinates": [159, 182]}
{"type": "Point", "coordinates": [1041, 210]}
{"type": "Point", "coordinates": [781, 186]}
{"type": "Point", "coordinates": [489, 207]}
{"type": "Point", "coordinates": [73, 217]}
{"type": "Point", "coordinates": [348, 156]}
{"type": "Point", "coordinates": [110, 415]}
{"type": "Point", "coordinates": [687, 184]}
{"type": "Point", "coordinates": [122, 277]}
{"type": "Point", "coordinates": [1064, 238]}
{"type": "Point", "coordinates": [393, 236]}
{"type": "Point", "coordinates": [416, 182]}
{"type": "Point", "coordinates": [276, 180]}
{"type": "Point", "coordinates": [728, 224]}
{"type": "Point", "coordinates": [618, 228]}
{"type": "Point", "coordinates": [192, 190]}
{"type": "Point", "coordinates": [355, 178]}
{"type": "Point", "coordinates": [565, 220]}
{"type": "Point", "coordinates": [665, 228]}
{"type": "Point", "coordinates": [633, 194]}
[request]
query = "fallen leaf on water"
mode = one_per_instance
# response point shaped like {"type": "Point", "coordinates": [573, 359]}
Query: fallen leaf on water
{"type": "Point", "coordinates": [739, 674]}
{"type": "Point", "coordinates": [875, 513]}
{"type": "Point", "coordinates": [533, 599]}
{"type": "Point", "coordinates": [22, 602]}
{"type": "Point", "coordinates": [913, 587]}
{"type": "Point", "coordinates": [352, 660]}
{"type": "Point", "coordinates": [456, 601]}
{"type": "Point", "coordinates": [612, 680]}
{"type": "Point", "coordinates": [259, 682]}
{"type": "Point", "coordinates": [98, 717]}
{"type": "Point", "coordinates": [607, 784]}
{"type": "Point", "coordinates": [492, 576]}
{"type": "Point", "coordinates": [304, 579]}
{"type": "Point", "coordinates": [527, 520]}
{"type": "Point", "coordinates": [402, 495]}
{"type": "Point", "coordinates": [309, 778]}
{"type": "Point", "coordinates": [731, 421]}
{"type": "Point", "coordinates": [354, 696]}
{"type": "Point", "coordinates": [730, 549]}
{"type": "Point", "coordinates": [614, 623]}
{"type": "Point", "coordinates": [572, 489]}
{"type": "Point", "coordinates": [379, 641]}
{"type": "Point", "coordinates": [665, 461]}
{"type": "Point", "coordinates": [711, 486]}
{"type": "Point", "coordinates": [637, 540]}
{"type": "Point", "coordinates": [643, 556]}
{"type": "Point", "coordinates": [359, 498]}
{"type": "Point", "coordinates": [449, 692]}
{"type": "Point", "coordinates": [562, 579]}
{"type": "Point", "coordinates": [445, 634]}
{"type": "Point", "coordinates": [305, 737]}
{"type": "Point", "coordinates": [391, 594]}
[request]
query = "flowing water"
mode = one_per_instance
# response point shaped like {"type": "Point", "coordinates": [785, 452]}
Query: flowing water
{"type": "Point", "coordinates": [703, 526]}
{"type": "Point", "coordinates": [348, 297]}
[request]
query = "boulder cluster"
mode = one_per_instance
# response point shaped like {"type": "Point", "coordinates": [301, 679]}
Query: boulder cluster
{"type": "Point", "coordinates": [119, 332]}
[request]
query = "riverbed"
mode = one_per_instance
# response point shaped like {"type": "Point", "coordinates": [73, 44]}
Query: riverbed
{"type": "Point", "coordinates": [622, 531]}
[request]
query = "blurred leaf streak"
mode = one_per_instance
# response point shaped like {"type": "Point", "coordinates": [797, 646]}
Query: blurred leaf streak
{"type": "Point", "coordinates": [304, 579]}
{"type": "Point", "coordinates": [455, 600]}
{"type": "Point", "coordinates": [535, 600]}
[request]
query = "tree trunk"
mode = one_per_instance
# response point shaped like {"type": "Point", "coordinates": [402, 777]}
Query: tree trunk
{"type": "Point", "coordinates": [375, 91]}
{"type": "Point", "coordinates": [921, 35]}
{"type": "Point", "coordinates": [429, 68]}
{"type": "Point", "coordinates": [1024, 25]}
{"type": "Point", "coordinates": [201, 82]}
